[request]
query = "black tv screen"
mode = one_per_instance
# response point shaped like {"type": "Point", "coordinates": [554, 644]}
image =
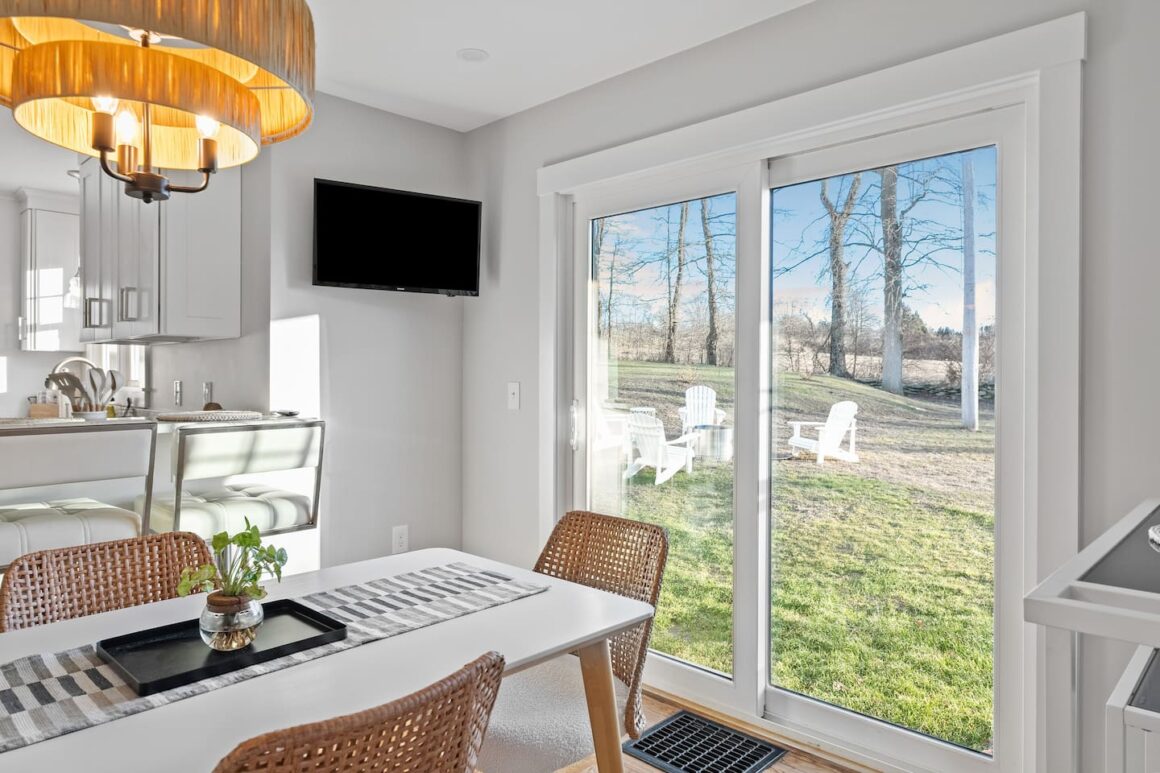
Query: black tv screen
{"type": "Point", "coordinates": [384, 239]}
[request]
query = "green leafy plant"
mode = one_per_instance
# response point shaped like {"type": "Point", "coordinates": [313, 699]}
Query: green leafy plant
{"type": "Point", "coordinates": [240, 562]}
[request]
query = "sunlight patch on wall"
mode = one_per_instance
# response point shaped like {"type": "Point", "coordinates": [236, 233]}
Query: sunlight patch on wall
{"type": "Point", "coordinates": [296, 365]}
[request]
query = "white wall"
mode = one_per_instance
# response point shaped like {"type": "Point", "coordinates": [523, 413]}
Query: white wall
{"type": "Point", "coordinates": [392, 363]}
{"type": "Point", "coordinates": [239, 367]}
{"type": "Point", "coordinates": [824, 42]}
{"type": "Point", "coordinates": [21, 373]}
{"type": "Point", "coordinates": [25, 162]}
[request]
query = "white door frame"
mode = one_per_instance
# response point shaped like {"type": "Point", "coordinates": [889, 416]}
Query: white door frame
{"type": "Point", "coordinates": [1038, 68]}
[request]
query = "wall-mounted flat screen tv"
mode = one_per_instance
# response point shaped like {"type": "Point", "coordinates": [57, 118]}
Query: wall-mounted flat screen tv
{"type": "Point", "coordinates": [383, 239]}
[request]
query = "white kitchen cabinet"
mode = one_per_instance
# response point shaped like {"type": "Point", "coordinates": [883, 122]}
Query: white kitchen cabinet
{"type": "Point", "coordinates": [138, 265]}
{"type": "Point", "coordinates": [166, 271]}
{"type": "Point", "coordinates": [201, 276]}
{"type": "Point", "coordinates": [98, 253]}
{"type": "Point", "coordinates": [50, 318]}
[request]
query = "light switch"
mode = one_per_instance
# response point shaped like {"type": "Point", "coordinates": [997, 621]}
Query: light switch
{"type": "Point", "coordinates": [513, 393]}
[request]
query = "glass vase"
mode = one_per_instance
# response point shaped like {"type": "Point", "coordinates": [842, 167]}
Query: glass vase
{"type": "Point", "coordinates": [230, 622]}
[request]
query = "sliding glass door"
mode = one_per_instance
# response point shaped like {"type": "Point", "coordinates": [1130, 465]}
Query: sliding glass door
{"type": "Point", "coordinates": [810, 371]}
{"type": "Point", "coordinates": [661, 301]}
{"type": "Point", "coordinates": [883, 522]}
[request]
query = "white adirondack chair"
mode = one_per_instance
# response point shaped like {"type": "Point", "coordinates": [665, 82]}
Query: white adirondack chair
{"type": "Point", "coordinates": [700, 408]}
{"type": "Point", "coordinates": [830, 434]}
{"type": "Point", "coordinates": [654, 450]}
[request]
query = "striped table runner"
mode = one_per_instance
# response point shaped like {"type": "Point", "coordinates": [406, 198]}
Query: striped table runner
{"type": "Point", "coordinates": [44, 696]}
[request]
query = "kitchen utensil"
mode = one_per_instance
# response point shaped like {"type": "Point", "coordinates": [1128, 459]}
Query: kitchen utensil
{"type": "Point", "coordinates": [116, 381]}
{"type": "Point", "coordinates": [70, 386]}
{"type": "Point", "coordinates": [98, 380]}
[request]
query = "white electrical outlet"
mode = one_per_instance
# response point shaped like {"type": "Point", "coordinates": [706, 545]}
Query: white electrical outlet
{"type": "Point", "coordinates": [513, 394]}
{"type": "Point", "coordinates": [399, 539]}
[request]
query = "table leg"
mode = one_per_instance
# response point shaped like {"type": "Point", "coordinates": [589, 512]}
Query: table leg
{"type": "Point", "coordinates": [596, 667]}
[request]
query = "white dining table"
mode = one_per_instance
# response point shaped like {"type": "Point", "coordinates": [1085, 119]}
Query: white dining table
{"type": "Point", "coordinates": [193, 734]}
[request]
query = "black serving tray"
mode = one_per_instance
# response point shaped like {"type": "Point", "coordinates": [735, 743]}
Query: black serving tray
{"type": "Point", "coordinates": [174, 655]}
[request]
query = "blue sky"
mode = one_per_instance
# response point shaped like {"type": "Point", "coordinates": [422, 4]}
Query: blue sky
{"type": "Point", "coordinates": [799, 229]}
{"type": "Point", "coordinates": [644, 236]}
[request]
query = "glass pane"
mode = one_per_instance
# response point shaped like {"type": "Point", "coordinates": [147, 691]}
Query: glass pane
{"type": "Point", "coordinates": [661, 405]}
{"type": "Point", "coordinates": [884, 443]}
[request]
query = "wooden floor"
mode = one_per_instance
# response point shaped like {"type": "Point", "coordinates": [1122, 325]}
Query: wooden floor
{"type": "Point", "coordinates": [656, 709]}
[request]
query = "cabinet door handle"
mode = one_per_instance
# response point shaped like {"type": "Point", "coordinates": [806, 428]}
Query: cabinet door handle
{"type": "Point", "coordinates": [89, 317]}
{"type": "Point", "coordinates": [124, 305]}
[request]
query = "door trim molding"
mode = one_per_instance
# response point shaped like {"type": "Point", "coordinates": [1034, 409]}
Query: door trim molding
{"type": "Point", "coordinates": [1038, 68]}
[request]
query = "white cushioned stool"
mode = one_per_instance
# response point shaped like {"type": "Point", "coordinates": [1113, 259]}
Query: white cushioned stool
{"type": "Point", "coordinates": [213, 453]}
{"type": "Point", "coordinates": [226, 509]}
{"type": "Point", "coordinates": [62, 523]}
{"type": "Point", "coordinates": [46, 455]}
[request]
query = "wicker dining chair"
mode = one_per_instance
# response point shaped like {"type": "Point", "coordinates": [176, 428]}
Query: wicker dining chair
{"type": "Point", "coordinates": [622, 557]}
{"type": "Point", "coordinates": [61, 584]}
{"type": "Point", "coordinates": [438, 729]}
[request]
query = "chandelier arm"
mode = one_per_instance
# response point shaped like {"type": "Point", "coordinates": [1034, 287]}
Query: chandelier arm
{"type": "Point", "coordinates": [109, 170]}
{"type": "Point", "coordinates": [192, 188]}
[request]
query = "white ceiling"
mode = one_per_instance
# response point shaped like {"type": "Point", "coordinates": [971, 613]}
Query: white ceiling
{"type": "Point", "coordinates": [400, 55]}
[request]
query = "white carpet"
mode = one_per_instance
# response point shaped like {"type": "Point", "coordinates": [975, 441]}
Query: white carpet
{"type": "Point", "coordinates": [540, 722]}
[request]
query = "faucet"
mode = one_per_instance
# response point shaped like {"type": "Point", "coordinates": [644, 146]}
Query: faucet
{"type": "Point", "coordinates": [60, 366]}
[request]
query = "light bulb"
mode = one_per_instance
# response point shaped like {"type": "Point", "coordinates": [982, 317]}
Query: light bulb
{"type": "Point", "coordinates": [107, 105]}
{"type": "Point", "coordinates": [126, 128]}
{"type": "Point", "coordinates": [208, 127]}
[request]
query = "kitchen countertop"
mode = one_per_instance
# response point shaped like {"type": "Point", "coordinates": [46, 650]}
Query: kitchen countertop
{"type": "Point", "coordinates": [163, 427]}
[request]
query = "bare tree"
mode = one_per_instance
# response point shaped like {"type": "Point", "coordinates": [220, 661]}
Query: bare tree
{"type": "Point", "coordinates": [891, 281]}
{"type": "Point", "coordinates": [862, 322]}
{"type": "Point", "coordinates": [906, 241]}
{"type": "Point", "coordinates": [675, 282]}
{"type": "Point", "coordinates": [603, 301]}
{"type": "Point", "coordinates": [839, 217]}
{"type": "Point", "coordinates": [970, 370]}
{"type": "Point", "coordinates": [711, 336]}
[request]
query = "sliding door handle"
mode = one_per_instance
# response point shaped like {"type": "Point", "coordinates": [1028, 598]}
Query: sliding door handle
{"type": "Point", "coordinates": [574, 425]}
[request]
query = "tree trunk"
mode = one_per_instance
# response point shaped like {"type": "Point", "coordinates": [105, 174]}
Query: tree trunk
{"type": "Point", "coordinates": [838, 220]}
{"type": "Point", "coordinates": [670, 354]}
{"type": "Point", "coordinates": [710, 278]}
{"type": "Point", "coordinates": [970, 371]}
{"type": "Point", "coordinates": [608, 301]}
{"type": "Point", "coordinates": [891, 283]}
{"type": "Point", "coordinates": [859, 314]}
{"type": "Point", "coordinates": [599, 228]}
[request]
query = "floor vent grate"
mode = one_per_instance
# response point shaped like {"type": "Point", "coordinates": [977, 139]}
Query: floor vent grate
{"type": "Point", "coordinates": [687, 743]}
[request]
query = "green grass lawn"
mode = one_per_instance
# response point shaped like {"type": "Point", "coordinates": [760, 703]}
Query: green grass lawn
{"type": "Point", "coordinates": [883, 582]}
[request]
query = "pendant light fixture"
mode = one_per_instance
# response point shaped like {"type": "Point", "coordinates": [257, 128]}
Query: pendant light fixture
{"type": "Point", "coordinates": [150, 86]}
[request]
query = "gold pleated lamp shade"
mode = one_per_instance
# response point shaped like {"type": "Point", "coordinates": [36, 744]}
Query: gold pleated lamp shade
{"type": "Point", "coordinates": [247, 64]}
